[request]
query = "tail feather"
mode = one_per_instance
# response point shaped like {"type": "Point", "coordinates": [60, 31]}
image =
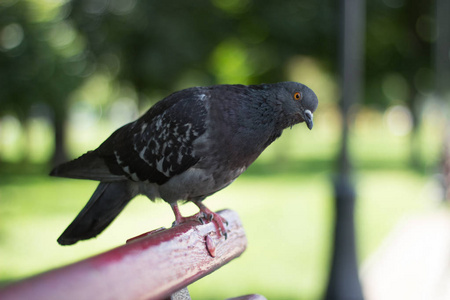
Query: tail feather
{"type": "Point", "coordinates": [88, 166]}
{"type": "Point", "coordinates": [108, 200]}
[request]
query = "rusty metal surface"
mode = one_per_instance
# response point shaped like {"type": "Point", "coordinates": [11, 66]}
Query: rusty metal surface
{"type": "Point", "coordinates": [148, 267]}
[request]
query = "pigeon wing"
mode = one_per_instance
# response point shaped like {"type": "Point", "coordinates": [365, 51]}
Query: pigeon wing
{"type": "Point", "coordinates": [159, 145]}
{"type": "Point", "coordinates": [153, 148]}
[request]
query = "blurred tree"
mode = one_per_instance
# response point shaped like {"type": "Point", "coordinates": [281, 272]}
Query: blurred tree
{"type": "Point", "coordinates": [172, 44]}
{"type": "Point", "coordinates": [398, 58]}
{"type": "Point", "coordinates": [42, 60]}
{"type": "Point", "coordinates": [156, 47]}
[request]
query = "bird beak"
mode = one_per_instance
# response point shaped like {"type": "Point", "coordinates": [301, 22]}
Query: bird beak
{"type": "Point", "coordinates": [308, 117]}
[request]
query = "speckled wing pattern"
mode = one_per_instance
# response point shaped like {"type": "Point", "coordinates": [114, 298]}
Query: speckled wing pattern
{"type": "Point", "coordinates": [162, 139]}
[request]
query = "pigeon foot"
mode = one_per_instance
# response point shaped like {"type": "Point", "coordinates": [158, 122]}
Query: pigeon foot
{"type": "Point", "coordinates": [218, 220]}
{"type": "Point", "coordinates": [204, 216]}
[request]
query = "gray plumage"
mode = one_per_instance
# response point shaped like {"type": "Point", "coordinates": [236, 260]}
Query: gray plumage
{"type": "Point", "coordinates": [186, 147]}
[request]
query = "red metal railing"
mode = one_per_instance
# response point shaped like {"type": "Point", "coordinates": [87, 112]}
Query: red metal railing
{"type": "Point", "coordinates": [151, 266]}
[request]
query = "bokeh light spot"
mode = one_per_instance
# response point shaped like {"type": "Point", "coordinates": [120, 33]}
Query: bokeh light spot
{"type": "Point", "coordinates": [121, 7]}
{"type": "Point", "coordinates": [11, 36]}
{"type": "Point", "coordinates": [426, 28]}
{"type": "Point", "coordinates": [399, 120]}
{"type": "Point", "coordinates": [395, 87]}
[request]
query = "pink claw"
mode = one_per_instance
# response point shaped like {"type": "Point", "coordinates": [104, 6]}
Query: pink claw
{"type": "Point", "coordinates": [205, 214]}
{"type": "Point", "coordinates": [215, 218]}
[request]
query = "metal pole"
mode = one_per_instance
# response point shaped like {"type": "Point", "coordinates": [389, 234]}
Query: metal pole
{"type": "Point", "coordinates": [344, 279]}
{"type": "Point", "coordinates": [442, 50]}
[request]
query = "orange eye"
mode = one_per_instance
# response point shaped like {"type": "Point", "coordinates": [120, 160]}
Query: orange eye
{"type": "Point", "coordinates": [298, 96]}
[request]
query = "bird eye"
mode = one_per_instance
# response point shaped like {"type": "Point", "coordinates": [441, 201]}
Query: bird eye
{"type": "Point", "coordinates": [298, 96]}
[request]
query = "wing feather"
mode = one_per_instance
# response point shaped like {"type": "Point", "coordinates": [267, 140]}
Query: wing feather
{"type": "Point", "coordinates": [154, 148]}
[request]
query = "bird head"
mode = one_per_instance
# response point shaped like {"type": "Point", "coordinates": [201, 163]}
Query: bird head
{"type": "Point", "coordinates": [298, 102]}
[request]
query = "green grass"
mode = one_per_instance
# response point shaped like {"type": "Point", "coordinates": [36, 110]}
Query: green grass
{"type": "Point", "coordinates": [285, 201]}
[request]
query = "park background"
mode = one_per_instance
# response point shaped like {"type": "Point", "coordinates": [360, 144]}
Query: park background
{"type": "Point", "coordinates": [71, 72]}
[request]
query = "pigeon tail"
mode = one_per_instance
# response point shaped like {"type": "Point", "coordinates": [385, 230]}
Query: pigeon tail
{"type": "Point", "coordinates": [88, 166]}
{"type": "Point", "coordinates": [108, 200]}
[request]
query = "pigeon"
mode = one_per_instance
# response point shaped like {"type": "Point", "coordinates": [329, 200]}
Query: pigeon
{"type": "Point", "coordinates": [186, 147]}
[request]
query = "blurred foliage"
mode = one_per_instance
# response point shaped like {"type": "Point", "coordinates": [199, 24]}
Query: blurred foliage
{"type": "Point", "coordinates": [162, 45]}
{"type": "Point", "coordinates": [398, 52]}
{"type": "Point", "coordinates": [49, 49]}
{"type": "Point", "coordinates": [38, 58]}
